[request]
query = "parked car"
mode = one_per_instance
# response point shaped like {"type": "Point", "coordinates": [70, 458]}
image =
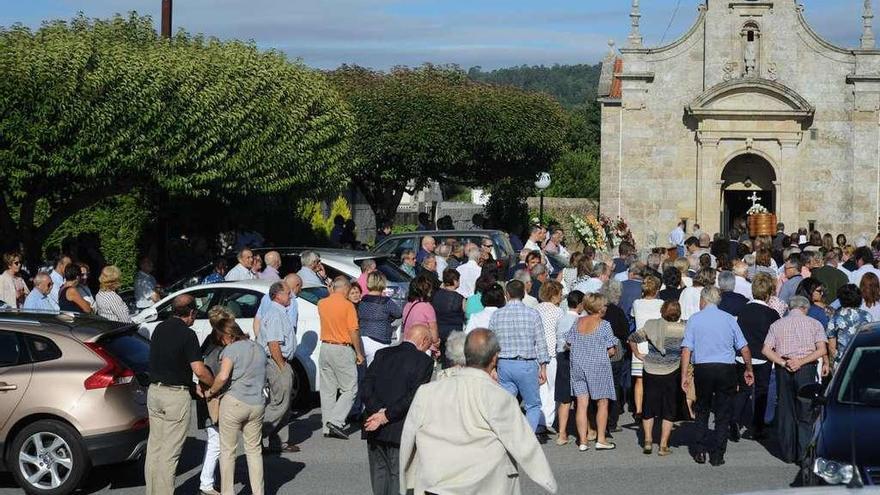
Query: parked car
{"type": "Point", "coordinates": [502, 251]}
{"type": "Point", "coordinates": [243, 299]}
{"type": "Point", "coordinates": [72, 396]}
{"type": "Point", "coordinates": [845, 447]}
{"type": "Point", "coordinates": [336, 262]}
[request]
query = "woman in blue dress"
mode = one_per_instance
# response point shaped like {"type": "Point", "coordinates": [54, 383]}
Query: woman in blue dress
{"type": "Point", "coordinates": [592, 343]}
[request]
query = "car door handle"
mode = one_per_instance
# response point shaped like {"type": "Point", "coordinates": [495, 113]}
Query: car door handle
{"type": "Point", "coordinates": [5, 387]}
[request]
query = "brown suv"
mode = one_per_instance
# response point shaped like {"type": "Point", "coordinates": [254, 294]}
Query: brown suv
{"type": "Point", "coordinates": [71, 397]}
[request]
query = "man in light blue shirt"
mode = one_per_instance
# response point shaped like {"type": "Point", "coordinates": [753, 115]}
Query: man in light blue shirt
{"type": "Point", "coordinates": [294, 283]}
{"type": "Point", "coordinates": [40, 299]}
{"type": "Point", "coordinates": [277, 336]}
{"type": "Point", "coordinates": [712, 337]}
{"type": "Point", "coordinates": [57, 276]}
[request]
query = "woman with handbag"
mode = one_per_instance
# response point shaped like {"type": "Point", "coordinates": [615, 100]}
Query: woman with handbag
{"type": "Point", "coordinates": [661, 374]}
{"type": "Point", "coordinates": [208, 411]}
{"type": "Point", "coordinates": [419, 311]}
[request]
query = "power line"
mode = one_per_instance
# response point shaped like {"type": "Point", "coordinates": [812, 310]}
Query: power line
{"type": "Point", "coordinates": [671, 19]}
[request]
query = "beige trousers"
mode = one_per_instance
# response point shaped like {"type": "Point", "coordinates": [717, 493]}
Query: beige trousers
{"type": "Point", "coordinates": [237, 416]}
{"type": "Point", "coordinates": [169, 410]}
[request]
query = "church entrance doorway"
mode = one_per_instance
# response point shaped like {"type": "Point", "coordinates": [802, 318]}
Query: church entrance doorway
{"type": "Point", "coordinates": [746, 180]}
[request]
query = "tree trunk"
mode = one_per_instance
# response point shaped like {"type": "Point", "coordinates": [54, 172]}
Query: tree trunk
{"type": "Point", "coordinates": [383, 200]}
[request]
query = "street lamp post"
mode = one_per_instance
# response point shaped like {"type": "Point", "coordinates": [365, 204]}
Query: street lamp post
{"type": "Point", "coordinates": [542, 183]}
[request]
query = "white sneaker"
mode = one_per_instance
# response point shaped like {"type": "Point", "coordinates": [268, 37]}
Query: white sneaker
{"type": "Point", "coordinates": [583, 447]}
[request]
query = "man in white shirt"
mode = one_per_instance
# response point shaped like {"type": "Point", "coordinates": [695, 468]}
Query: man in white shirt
{"type": "Point", "coordinates": [145, 293]}
{"type": "Point", "coordinates": [865, 263]}
{"type": "Point", "coordinates": [273, 263]}
{"type": "Point", "coordinates": [536, 239]}
{"type": "Point", "coordinates": [525, 277]}
{"type": "Point", "coordinates": [478, 446]}
{"type": "Point", "coordinates": [676, 238]}
{"type": "Point", "coordinates": [57, 276]}
{"type": "Point", "coordinates": [242, 271]}
{"type": "Point", "coordinates": [469, 272]}
{"type": "Point", "coordinates": [600, 274]}
{"type": "Point", "coordinates": [743, 286]}
{"type": "Point", "coordinates": [442, 254]}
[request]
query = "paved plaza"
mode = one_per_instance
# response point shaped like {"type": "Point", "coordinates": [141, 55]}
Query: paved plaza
{"type": "Point", "coordinates": [340, 467]}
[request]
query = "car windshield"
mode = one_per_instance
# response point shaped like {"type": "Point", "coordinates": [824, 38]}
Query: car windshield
{"type": "Point", "coordinates": [392, 272]}
{"type": "Point", "coordinates": [861, 380]}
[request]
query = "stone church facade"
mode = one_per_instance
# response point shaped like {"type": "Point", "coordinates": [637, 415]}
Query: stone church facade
{"type": "Point", "coordinates": [749, 100]}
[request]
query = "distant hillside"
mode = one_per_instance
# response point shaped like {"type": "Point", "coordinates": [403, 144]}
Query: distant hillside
{"type": "Point", "coordinates": [572, 85]}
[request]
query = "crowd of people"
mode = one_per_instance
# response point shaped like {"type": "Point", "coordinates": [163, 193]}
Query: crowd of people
{"type": "Point", "coordinates": [701, 327]}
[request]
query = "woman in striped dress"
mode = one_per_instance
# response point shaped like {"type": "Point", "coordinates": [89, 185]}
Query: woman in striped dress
{"type": "Point", "coordinates": [108, 304]}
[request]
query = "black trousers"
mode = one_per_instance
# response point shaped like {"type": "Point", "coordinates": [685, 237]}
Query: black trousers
{"type": "Point", "coordinates": [794, 416]}
{"type": "Point", "coordinates": [715, 385]}
{"type": "Point", "coordinates": [615, 408]}
{"type": "Point", "coordinates": [750, 404]}
{"type": "Point", "coordinates": [384, 467]}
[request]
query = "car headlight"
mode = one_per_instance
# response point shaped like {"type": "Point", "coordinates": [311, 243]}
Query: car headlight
{"type": "Point", "coordinates": [833, 472]}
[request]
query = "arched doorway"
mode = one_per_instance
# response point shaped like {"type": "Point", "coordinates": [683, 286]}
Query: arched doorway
{"type": "Point", "coordinates": [744, 178]}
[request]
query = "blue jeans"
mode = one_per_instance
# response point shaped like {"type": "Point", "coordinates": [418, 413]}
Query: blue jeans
{"type": "Point", "coordinates": [680, 250]}
{"type": "Point", "coordinates": [522, 376]}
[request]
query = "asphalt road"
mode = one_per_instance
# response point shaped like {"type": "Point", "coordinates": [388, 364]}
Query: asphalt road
{"type": "Point", "coordinates": [327, 466]}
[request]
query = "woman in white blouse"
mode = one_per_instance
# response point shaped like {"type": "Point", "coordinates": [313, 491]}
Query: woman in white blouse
{"type": "Point", "coordinates": [493, 298]}
{"type": "Point", "coordinates": [108, 304]}
{"type": "Point", "coordinates": [690, 296]}
{"type": "Point", "coordinates": [645, 309]}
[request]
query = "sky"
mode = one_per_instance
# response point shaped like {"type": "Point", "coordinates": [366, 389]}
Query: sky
{"type": "Point", "coordinates": [384, 33]}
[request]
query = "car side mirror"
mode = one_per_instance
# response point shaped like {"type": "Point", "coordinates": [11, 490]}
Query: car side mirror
{"type": "Point", "coordinates": [812, 392]}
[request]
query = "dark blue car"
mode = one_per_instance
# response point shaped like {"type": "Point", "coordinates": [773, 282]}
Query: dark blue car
{"type": "Point", "coordinates": [845, 448]}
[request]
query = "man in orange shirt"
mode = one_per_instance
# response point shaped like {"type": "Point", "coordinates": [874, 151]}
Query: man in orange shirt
{"type": "Point", "coordinates": [340, 356]}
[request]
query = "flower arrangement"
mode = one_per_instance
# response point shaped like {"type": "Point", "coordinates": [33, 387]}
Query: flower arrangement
{"type": "Point", "coordinates": [616, 231]}
{"type": "Point", "coordinates": [757, 209]}
{"type": "Point", "coordinates": [590, 232]}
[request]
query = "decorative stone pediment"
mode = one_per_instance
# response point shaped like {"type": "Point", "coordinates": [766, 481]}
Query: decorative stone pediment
{"type": "Point", "coordinates": [752, 99]}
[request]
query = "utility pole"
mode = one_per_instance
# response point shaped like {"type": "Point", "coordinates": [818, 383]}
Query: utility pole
{"type": "Point", "coordinates": [166, 18]}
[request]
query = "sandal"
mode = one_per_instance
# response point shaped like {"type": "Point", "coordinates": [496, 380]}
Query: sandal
{"type": "Point", "coordinates": [605, 446]}
{"type": "Point", "coordinates": [664, 451]}
{"type": "Point", "coordinates": [648, 449]}
{"type": "Point", "coordinates": [591, 437]}
{"type": "Point", "coordinates": [562, 442]}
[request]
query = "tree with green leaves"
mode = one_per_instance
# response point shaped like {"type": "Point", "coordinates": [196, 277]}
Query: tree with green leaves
{"type": "Point", "coordinates": [90, 109]}
{"type": "Point", "coordinates": [432, 123]}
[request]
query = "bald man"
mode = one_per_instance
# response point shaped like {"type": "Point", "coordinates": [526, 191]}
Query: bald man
{"type": "Point", "coordinates": [478, 445]}
{"type": "Point", "coordinates": [428, 245]}
{"type": "Point", "coordinates": [388, 389]}
{"type": "Point", "coordinates": [273, 263]}
{"type": "Point", "coordinates": [40, 298]}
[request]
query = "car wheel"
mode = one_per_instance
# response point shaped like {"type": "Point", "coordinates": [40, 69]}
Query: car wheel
{"type": "Point", "coordinates": [48, 458]}
{"type": "Point", "coordinates": [300, 393]}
